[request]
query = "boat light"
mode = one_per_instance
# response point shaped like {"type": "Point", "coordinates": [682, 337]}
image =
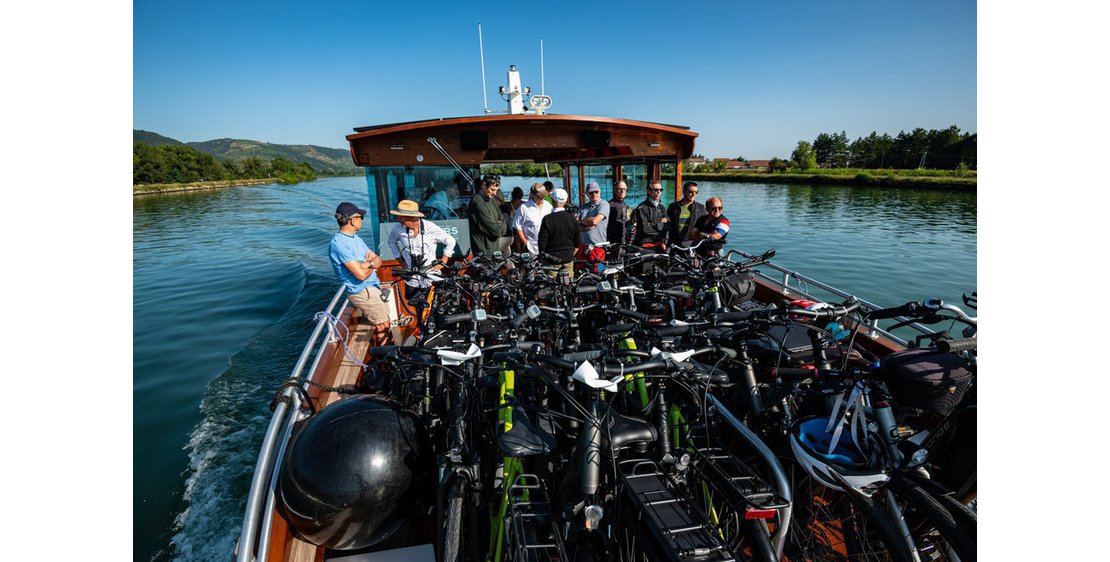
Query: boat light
{"type": "Point", "coordinates": [396, 147]}
{"type": "Point", "coordinates": [654, 144]}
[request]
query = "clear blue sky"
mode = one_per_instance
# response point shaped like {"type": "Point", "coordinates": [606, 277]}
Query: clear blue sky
{"type": "Point", "coordinates": [752, 78]}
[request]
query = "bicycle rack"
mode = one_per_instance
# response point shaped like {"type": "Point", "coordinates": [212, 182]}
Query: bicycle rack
{"type": "Point", "coordinates": [728, 476]}
{"type": "Point", "coordinates": [533, 534]}
{"type": "Point", "coordinates": [677, 526]}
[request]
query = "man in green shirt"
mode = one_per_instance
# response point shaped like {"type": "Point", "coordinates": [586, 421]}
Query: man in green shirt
{"type": "Point", "coordinates": [487, 224]}
{"type": "Point", "coordinates": [683, 214]}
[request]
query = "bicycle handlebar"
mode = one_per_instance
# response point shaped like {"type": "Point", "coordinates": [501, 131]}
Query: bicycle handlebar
{"type": "Point", "coordinates": [956, 346]}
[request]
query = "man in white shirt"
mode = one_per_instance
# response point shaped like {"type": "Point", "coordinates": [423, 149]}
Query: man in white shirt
{"type": "Point", "coordinates": [529, 216]}
{"type": "Point", "coordinates": [415, 240]}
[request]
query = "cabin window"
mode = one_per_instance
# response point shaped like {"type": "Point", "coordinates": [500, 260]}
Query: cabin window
{"type": "Point", "coordinates": [603, 175]}
{"type": "Point", "coordinates": [635, 177]}
{"type": "Point", "coordinates": [441, 191]}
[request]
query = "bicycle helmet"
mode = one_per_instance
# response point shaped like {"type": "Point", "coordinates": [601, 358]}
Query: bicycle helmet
{"type": "Point", "coordinates": [846, 468]}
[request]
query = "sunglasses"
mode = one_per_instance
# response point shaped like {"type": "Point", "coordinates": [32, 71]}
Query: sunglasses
{"type": "Point", "coordinates": [353, 217]}
{"type": "Point", "coordinates": [715, 208]}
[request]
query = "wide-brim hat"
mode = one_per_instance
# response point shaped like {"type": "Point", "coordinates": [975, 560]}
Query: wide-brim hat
{"type": "Point", "coordinates": [539, 189]}
{"type": "Point", "coordinates": [407, 208]}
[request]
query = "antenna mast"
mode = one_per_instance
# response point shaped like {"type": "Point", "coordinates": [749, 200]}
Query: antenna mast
{"type": "Point", "coordinates": [482, 53]}
{"type": "Point", "coordinates": [542, 92]}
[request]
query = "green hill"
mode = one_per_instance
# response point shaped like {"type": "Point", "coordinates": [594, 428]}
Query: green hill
{"type": "Point", "coordinates": [322, 159]}
{"type": "Point", "coordinates": [153, 139]}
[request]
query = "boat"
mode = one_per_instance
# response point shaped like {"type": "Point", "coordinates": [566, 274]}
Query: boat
{"type": "Point", "coordinates": [416, 160]}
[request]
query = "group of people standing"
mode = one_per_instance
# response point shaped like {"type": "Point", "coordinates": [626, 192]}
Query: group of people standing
{"type": "Point", "coordinates": [539, 225]}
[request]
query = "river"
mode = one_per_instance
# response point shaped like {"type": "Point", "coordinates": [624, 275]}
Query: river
{"type": "Point", "coordinates": [226, 284]}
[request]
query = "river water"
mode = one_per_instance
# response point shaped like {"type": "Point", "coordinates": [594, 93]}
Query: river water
{"type": "Point", "coordinates": [226, 284]}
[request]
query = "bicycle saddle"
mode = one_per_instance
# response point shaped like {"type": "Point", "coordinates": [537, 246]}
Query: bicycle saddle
{"type": "Point", "coordinates": [624, 431]}
{"type": "Point", "coordinates": [524, 439]}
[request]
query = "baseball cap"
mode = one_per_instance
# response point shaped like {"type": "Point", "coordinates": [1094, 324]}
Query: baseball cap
{"type": "Point", "coordinates": [592, 187]}
{"type": "Point", "coordinates": [347, 209]}
{"type": "Point", "coordinates": [560, 195]}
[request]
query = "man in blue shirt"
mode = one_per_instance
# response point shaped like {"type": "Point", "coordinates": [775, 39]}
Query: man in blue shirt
{"type": "Point", "coordinates": [356, 266]}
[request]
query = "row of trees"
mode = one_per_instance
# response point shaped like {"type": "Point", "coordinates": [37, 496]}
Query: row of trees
{"type": "Point", "coordinates": [528, 170]}
{"type": "Point", "coordinates": [171, 163]}
{"type": "Point", "coordinates": [945, 149]}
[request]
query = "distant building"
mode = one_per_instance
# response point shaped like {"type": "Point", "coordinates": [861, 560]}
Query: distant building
{"type": "Point", "coordinates": [759, 164]}
{"type": "Point", "coordinates": [736, 165]}
{"type": "Point", "coordinates": [695, 161]}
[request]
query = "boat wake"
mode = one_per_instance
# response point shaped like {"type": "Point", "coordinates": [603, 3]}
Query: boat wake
{"type": "Point", "coordinates": [223, 447]}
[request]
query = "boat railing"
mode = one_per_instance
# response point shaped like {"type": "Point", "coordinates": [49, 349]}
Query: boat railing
{"type": "Point", "coordinates": [260, 499]}
{"type": "Point", "coordinates": [803, 287]}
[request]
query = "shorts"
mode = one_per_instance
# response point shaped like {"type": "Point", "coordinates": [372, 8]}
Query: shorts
{"type": "Point", "coordinates": [369, 301]}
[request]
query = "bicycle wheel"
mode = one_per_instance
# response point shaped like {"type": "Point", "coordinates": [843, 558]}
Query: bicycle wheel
{"type": "Point", "coordinates": [936, 533]}
{"type": "Point", "coordinates": [450, 521]}
{"type": "Point", "coordinates": [829, 525]}
{"type": "Point", "coordinates": [965, 517]}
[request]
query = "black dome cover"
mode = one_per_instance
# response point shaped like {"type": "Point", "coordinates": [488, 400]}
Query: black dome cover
{"type": "Point", "coordinates": [354, 473]}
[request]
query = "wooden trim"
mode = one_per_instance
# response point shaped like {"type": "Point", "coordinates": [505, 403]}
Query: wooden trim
{"type": "Point", "coordinates": [437, 123]}
{"type": "Point", "coordinates": [618, 170]}
{"type": "Point", "coordinates": [678, 177]}
{"type": "Point", "coordinates": [566, 177]}
{"type": "Point", "coordinates": [581, 184]}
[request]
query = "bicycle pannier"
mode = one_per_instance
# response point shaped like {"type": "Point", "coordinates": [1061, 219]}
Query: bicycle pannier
{"type": "Point", "coordinates": [736, 289]}
{"type": "Point", "coordinates": [926, 379]}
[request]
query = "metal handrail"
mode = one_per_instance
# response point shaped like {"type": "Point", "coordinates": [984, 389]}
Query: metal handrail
{"type": "Point", "coordinates": [264, 467]}
{"type": "Point", "coordinates": [784, 287]}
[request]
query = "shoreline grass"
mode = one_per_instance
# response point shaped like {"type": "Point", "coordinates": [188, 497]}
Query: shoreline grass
{"type": "Point", "coordinates": [153, 188]}
{"type": "Point", "coordinates": [923, 179]}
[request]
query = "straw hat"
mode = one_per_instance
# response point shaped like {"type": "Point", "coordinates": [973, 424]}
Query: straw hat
{"type": "Point", "coordinates": [407, 208]}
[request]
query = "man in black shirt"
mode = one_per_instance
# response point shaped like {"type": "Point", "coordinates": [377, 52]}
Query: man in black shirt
{"type": "Point", "coordinates": [559, 234]}
{"type": "Point", "coordinates": [712, 228]}
{"type": "Point", "coordinates": [619, 213]}
{"type": "Point", "coordinates": [649, 220]}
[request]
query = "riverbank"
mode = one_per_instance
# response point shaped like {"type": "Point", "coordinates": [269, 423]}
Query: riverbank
{"type": "Point", "coordinates": [865, 179]}
{"type": "Point", "coordinates": [155, 188]}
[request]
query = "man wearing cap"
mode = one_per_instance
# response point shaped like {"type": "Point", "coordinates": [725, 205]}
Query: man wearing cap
{"type": "Point", "coordinates": [356, 266]}
{"type": "Point", "coordinates": [484, 218]}
{"type": "Point", "coordinates": [593, 221]}
{"type": "Point", "coordinates": [527, 218]}
{"type": "Point", "coordinates": [559, 235]}
{"type": "Point", "coordinates": [683, 214]}
{"type": "Point", "coordinates": [415, 241]}
{"type": "Point", "coordinates": [650, 221]}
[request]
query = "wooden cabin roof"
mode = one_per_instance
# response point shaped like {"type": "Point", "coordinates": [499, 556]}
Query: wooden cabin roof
{"type": "Point", "coordinates": [517, 138]}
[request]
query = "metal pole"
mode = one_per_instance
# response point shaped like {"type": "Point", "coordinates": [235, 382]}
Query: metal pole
{"type": "Point", "coordinates": [482, 53]}
{"type": "Point", "coordinates": [542, 92]}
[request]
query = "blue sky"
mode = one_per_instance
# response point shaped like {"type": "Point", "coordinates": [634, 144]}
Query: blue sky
{"type": "Point", "coordinates": [752, 78]}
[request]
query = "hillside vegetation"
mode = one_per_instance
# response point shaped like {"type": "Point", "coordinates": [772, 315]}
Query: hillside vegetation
{"type": "Point", "coordinates": [324, 160]}
{"type": "Point", "coordinates": [180, 164]}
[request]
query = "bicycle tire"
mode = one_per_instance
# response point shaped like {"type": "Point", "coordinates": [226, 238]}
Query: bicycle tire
{"type": "Point", "coordinates": [450, 518]}
{"type": "Point", "coordinates": [830, 525]}
{"type": "Point", "coordinates": [936, 532]}
{"type": "Point", "coordinates": [965, 516]}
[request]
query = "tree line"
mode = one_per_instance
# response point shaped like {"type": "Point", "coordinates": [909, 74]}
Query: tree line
{"type": "Point", "coordinates": [528, 170]}
{"type": "Point", "coordinates": [170, 163]}
{"type": "Point", "coordinates": [944, 149]}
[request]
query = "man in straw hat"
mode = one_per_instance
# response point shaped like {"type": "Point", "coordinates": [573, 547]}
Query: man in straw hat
{"type": "Point", "coordinates": [356, 266]}
{"type": "Point", "coordinates": [415, 241]}
{"type": "Point", "coordinates": [527, 218]}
